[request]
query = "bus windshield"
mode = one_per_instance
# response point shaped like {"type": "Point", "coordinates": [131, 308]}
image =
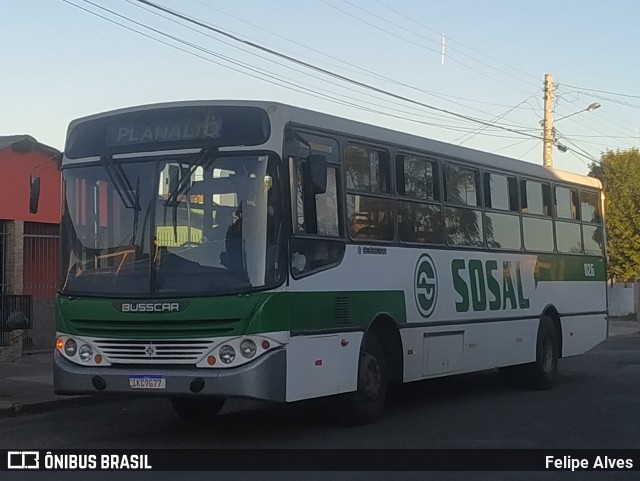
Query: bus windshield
{"type": "Point", "coordinates": [167, 226]}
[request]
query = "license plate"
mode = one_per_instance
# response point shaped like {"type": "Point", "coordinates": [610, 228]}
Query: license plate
{"type": "Point", "coordinates": [147, 382]}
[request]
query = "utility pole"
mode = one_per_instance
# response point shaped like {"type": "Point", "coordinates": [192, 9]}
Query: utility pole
{"type": "Point", "coordinates": [547, 149]}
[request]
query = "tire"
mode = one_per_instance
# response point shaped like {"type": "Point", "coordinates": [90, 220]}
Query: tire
{"type": "Point", "coordinates": [197, 409]}
{"type": "Point", "coordinates": [542, 374]}
{"type": "Point", "coordinates": [366, 404]}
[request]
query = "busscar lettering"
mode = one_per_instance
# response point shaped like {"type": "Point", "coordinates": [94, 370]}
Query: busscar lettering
{"type": "Point", "coordinates": [150, 307]}
{"type": "Point", "coordinates": [479, 288]}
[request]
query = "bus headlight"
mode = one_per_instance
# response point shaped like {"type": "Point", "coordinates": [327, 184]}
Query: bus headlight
{"type": "Point", "coordinates": [227, 354]}
{"type": "Point", "coordinates": [70, 347]}
{"type": "Point", "coordinates": [248, 348]}
{"type": "Point", "coordinates": [85, 352]}
{"type": "Point", "coordinates": [237, 351]}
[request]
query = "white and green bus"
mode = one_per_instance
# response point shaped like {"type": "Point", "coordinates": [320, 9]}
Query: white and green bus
{"type": "Point", "coordinates": [222, 249]}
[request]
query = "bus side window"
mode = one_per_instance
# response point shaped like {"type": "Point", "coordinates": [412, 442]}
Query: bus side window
{"type": "Point", "coordinates": [502, 228]}
{"type": "Point", "coordinates": [317, 243]}
{"type": "Point", "coordinates": [419, 215]}
{"type": "Point", "coordinates": [463, 218]}
{"type": "Point", "coordinates": [315, 213]}
{"type": "Point", "coordinates": [536, 198]}
{"type": "Point", "coordinates": [537, 226]}
{"type": "Point", "coordinates": [592, 233]}
{"type": "Point", "coordinates": [369, 203]}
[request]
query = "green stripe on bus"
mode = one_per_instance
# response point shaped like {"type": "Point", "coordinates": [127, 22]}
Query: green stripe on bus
{"type": "Point", "coordinates": [229, 315]}
{"type": "Point", "coordinates": [550, 267]}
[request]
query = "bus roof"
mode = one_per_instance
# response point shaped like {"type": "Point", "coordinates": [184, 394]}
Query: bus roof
{"type": "Point", "coordinates": [330, 123]}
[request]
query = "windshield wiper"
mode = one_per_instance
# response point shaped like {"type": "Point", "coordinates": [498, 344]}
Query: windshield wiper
{"type": "Point", "coordinates": [121, 183]}
{"type": "Point", "coordinates": [205, 159]}
{"type": "Point", "coordinates": [130, 198]}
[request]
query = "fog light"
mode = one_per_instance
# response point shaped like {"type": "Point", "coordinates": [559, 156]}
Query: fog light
{"type": "Point", "coordinates": [70, 347]}
{"type": "Point", "coordinates": [227, 354]}
{"type": "Point", "coordinates": [248, 348]}
{"type": "Point", "coordinates": [85, 352]}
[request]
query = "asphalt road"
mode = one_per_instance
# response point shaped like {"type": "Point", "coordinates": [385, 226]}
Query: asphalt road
{"type": "Point", "coordinates": [596, 405]}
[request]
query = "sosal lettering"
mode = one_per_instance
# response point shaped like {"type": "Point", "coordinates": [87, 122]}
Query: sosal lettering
{"type": "Point", "coordinates": [480, 286]}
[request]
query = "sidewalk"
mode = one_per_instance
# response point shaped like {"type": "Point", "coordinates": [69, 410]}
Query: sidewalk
{"type": "Point", "coordinates": [27, 386]}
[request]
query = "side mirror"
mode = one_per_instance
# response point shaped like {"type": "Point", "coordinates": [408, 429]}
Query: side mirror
{"type": "Point", "coordinates": [317, 165]}
{"type": "Point", "coordinates": [34, 195]}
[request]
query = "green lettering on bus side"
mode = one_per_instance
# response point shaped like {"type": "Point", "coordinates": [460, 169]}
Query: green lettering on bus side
{"type": "Point", "coordinates": [494, 287]}
{"type": "Point", "coordinates": [508, 289]}
{"type": "Point", "coordinates": [459, 285]}
{"type": "Point", "coordinates": [477, 285]}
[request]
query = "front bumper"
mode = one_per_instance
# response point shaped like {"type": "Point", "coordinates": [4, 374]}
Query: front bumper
{"type": "Point", "coordinates": [265, 379]}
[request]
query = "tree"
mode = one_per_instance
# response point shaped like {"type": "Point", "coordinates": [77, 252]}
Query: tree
{"type": "Point", "coordinates": [620, 173]}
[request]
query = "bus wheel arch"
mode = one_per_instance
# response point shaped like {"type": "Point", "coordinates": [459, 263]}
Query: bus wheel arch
{"type": "Point", "coordinates": [384, 328]}
{"type": "Point", "coordinates": [378, 366]}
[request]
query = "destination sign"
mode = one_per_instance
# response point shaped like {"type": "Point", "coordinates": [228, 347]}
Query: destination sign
{"type": "Point", "coordinates": [164, 130]}
{"type": "Point", "coordinates": [169, 128]}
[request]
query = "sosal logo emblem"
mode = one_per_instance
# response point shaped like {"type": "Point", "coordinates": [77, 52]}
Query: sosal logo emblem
{"type": "Point", "coordinates": [426, 285]}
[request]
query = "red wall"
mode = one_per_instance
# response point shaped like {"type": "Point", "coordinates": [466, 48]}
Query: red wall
{"type": "Point", "coordinates": [15, 183]}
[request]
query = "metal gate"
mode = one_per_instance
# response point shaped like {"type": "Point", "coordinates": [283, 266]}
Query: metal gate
{"type": "Point", "coordinates": [40, 280]}
{"type": "Point", "coordinates": [4, 275]}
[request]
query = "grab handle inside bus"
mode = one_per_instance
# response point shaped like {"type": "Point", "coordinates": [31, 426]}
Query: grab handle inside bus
{"type": "Point", "coordinates": [34, 194]}
{"type": "Point", "coordinates": [318, 171]}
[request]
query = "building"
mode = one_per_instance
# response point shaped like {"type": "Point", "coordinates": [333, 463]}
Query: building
{"type": "Point", "coordinates": [28, 245]}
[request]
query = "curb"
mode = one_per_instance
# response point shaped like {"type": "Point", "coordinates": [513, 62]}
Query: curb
{"type": "Point", "coordinates": [17, 409]}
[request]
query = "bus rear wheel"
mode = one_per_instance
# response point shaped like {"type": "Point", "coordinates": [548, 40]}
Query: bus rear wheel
{"type": "Point", "coordinates": [366, 404]}
{"type": "Point", "coordinates": [197, 409]}
{"type": "Point", "coordinates": [542, 374]}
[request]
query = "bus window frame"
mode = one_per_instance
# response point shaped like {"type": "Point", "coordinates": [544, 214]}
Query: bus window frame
{"type": "Point", "coordinates": [389, 195]}
{"type": "Point", "coordinates": [291, 157]}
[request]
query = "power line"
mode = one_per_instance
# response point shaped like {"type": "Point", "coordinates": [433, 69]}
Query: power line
{"type": "Point", "coordinates": [603, 92]}
{"type": "Point", "coordinates": [419, 45]}
{"type": "Point", "coordinates": [419, 111]}
{"type": "Point", "coordinates": [386, 20]}
{"type": "Point", "coordinates": [529, 150]}
{"type": "Point", "coordinates": [358, 69]}
{"type": "Point", "coordinates": [273, 79]}
{"type": "Point", "coordinates": [513, 145]}
{"type": "Point", "coordinates": [420, 24]}
{"type": "Point", "coordinates": [578, 150]}
{"type": "Point", "coordinates": [480, 129]}
{"type": "Point", "coordinates": [325, 71]}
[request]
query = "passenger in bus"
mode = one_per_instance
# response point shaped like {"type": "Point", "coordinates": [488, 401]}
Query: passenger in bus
{"type": "Point", "coordinates": [232, 257]}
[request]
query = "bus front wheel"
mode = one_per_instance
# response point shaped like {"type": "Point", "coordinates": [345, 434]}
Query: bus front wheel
{"type": "Point", "coordinates": [197, 409]}
{"type": "Point", "coordinates": [366, 404]}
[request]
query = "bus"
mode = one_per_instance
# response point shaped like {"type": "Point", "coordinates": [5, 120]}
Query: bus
{"type": "Point", "coordinates": [251, 249]}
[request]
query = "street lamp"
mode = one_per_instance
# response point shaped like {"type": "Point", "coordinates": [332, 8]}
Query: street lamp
{"type": "Point", "coordinates": [549, 134]}
{"type": "Point", "coordinates": [590, 108]}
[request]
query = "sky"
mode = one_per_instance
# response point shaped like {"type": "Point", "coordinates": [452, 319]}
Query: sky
{"type": "Point", "coordinates": [62, 62]}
